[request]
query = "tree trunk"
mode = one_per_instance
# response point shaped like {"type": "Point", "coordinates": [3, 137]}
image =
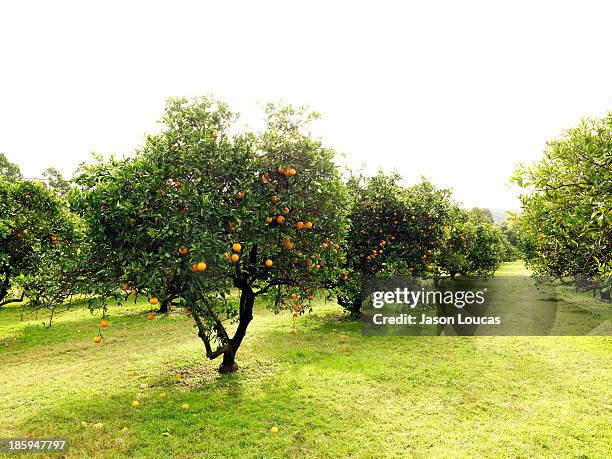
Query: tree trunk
{"type": "Point", "coordinates": [165, 305]}
{"type": "Point", "coordinates": [247, 300]}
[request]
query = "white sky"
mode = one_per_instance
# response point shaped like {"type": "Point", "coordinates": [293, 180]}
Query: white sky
{"type": "Point", "coordinates": [455, 91]}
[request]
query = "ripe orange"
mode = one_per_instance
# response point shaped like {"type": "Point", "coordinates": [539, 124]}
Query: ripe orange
{"type": "Point", "coordinates": [150, 316]}
{"type": "Point", "coordinates": [153, 300]}
{"type": "Point", "coordinates": [194, 267]}
{"type": "Point", "coordinates": [286, 210]}
{"type": "Point", "coordinates": [236, 247]}
{"type": "Point", "coordinates": [201, 266]}
{"type": "Point", "coordinates": [183, 250]}
{"type": "Point", "coordinates": [291, 172]}
{"type": "Point", "coordinates": [293, 331]}
{"type": "Point", "coordinates": [235, 257]}
{"type": "Point", "coordinates": [299, 225]}
{"type": "Point", "coordinates": [97, 339]}
{"type": "Point", "coordinates": [268, 263]}
{"type": "Point", "coordinates": [269, 219]}
{"type": "Point", "coordinates": [20, 235]}
{"type": "Point", "coordinates": [275, 200]}
{"type": "Point", "coordinates": [280, 219]}
{"type": "Point", "coordinates": [308, 225]}
{"type": "Point", "coordinates": [104, 323]}
{"type": "Point", "coordinates": [281, 170]}
{"type": "Point", "coordinates": [134, 292]}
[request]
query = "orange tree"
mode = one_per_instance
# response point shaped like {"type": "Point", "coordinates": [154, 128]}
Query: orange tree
{"type": "Point", "coordinates": [394, 231]}
{"type": "Point", "coordinates": [38, 240]}
{"type": "Point", "coordinates": [472, 245]}
{"type": "Point", "coordinates": [203, 208]}
{"type": "Point", "coordinates": [566, 212]}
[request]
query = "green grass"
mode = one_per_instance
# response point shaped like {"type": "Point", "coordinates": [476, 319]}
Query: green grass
{"type": "Point", "coordinates": [331, 392]}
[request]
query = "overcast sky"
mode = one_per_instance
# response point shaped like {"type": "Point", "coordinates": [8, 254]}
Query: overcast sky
{"type": "Point", "coordinates": [457, 91]}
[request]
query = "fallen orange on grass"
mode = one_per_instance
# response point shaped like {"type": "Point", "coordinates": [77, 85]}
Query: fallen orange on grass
{"type": "Point", "coordinates": [150, 316]}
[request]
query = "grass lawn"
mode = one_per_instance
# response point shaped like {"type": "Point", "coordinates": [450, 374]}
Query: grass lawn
{"type": "Point", "coordinates": [331, 392]}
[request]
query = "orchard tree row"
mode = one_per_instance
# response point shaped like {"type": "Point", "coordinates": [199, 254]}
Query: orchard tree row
{"type": "Point", "coordinates": [204, 209]}
{"type": "Point", "coordinates": [565, 228]}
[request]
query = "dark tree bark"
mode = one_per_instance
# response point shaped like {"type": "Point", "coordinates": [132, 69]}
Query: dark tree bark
{"type": "Point", "coordinates": [247, 300]}
{"type": "Point", "coordinates": [165, 305]}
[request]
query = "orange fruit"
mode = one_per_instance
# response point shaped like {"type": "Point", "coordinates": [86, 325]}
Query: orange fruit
{"type": "Point", "coordinates": [239, 195]}
{"type": "Point", "coordinates": [104, 323]}
{"type": "Point", "coordinates": [281, 170]}
{"type": "Point", "coordinates": [201, 266]}
{"type": "Point", "coordinates": [125, 287]}
{"type": "Point", "coordinates": [280, 219]}
{"type": "Point", "coordinates": [236, 247]}
{"type": "Point", "coordinates": [293, 331]}
{"type": "Point", "coordinates": [269, 219]}
{"type": "Point", "coordinates": [286, 210]}
{"type": "Point", "coordinates": [299, 225]}
{"type": "Point", "coordinates": [235, 257]}
{"type": "Point", "coordinates": [153, 300]}
{"type": "Point", "coordinates": [268, 263]}
{"type": "Point", "coordinates": [183, 250]}
{"type": "Point", "coordinates": [194, 267]}
{"type": "Point", "coordinates": [134, 292]}
{"type": "Point", "coordinates": [291, 171]}
{"type": "Point", "coordinates": [308, 225]}
{"type": "Point", "coordinates": [275, 200]}
{"type": "Point", "coordinates": [97, 339]}
{"type": "Point", "coordinates": [150, 316]}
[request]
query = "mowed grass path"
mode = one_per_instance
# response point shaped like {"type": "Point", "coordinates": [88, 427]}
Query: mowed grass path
{"type": "Point", "coordinates": [331, 392]}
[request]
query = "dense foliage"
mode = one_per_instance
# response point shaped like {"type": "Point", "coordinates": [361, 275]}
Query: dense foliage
{"type": "Point", "coordinates": [39, 242]}
{"type": "Point", "coordinates": [566, 220]}
{"type": "Point", "coordinates": [473, 245]}
{"type": "Point", "coordinates": [202, 209]}
{"type": "Point", "coordinates": [394, 231]}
